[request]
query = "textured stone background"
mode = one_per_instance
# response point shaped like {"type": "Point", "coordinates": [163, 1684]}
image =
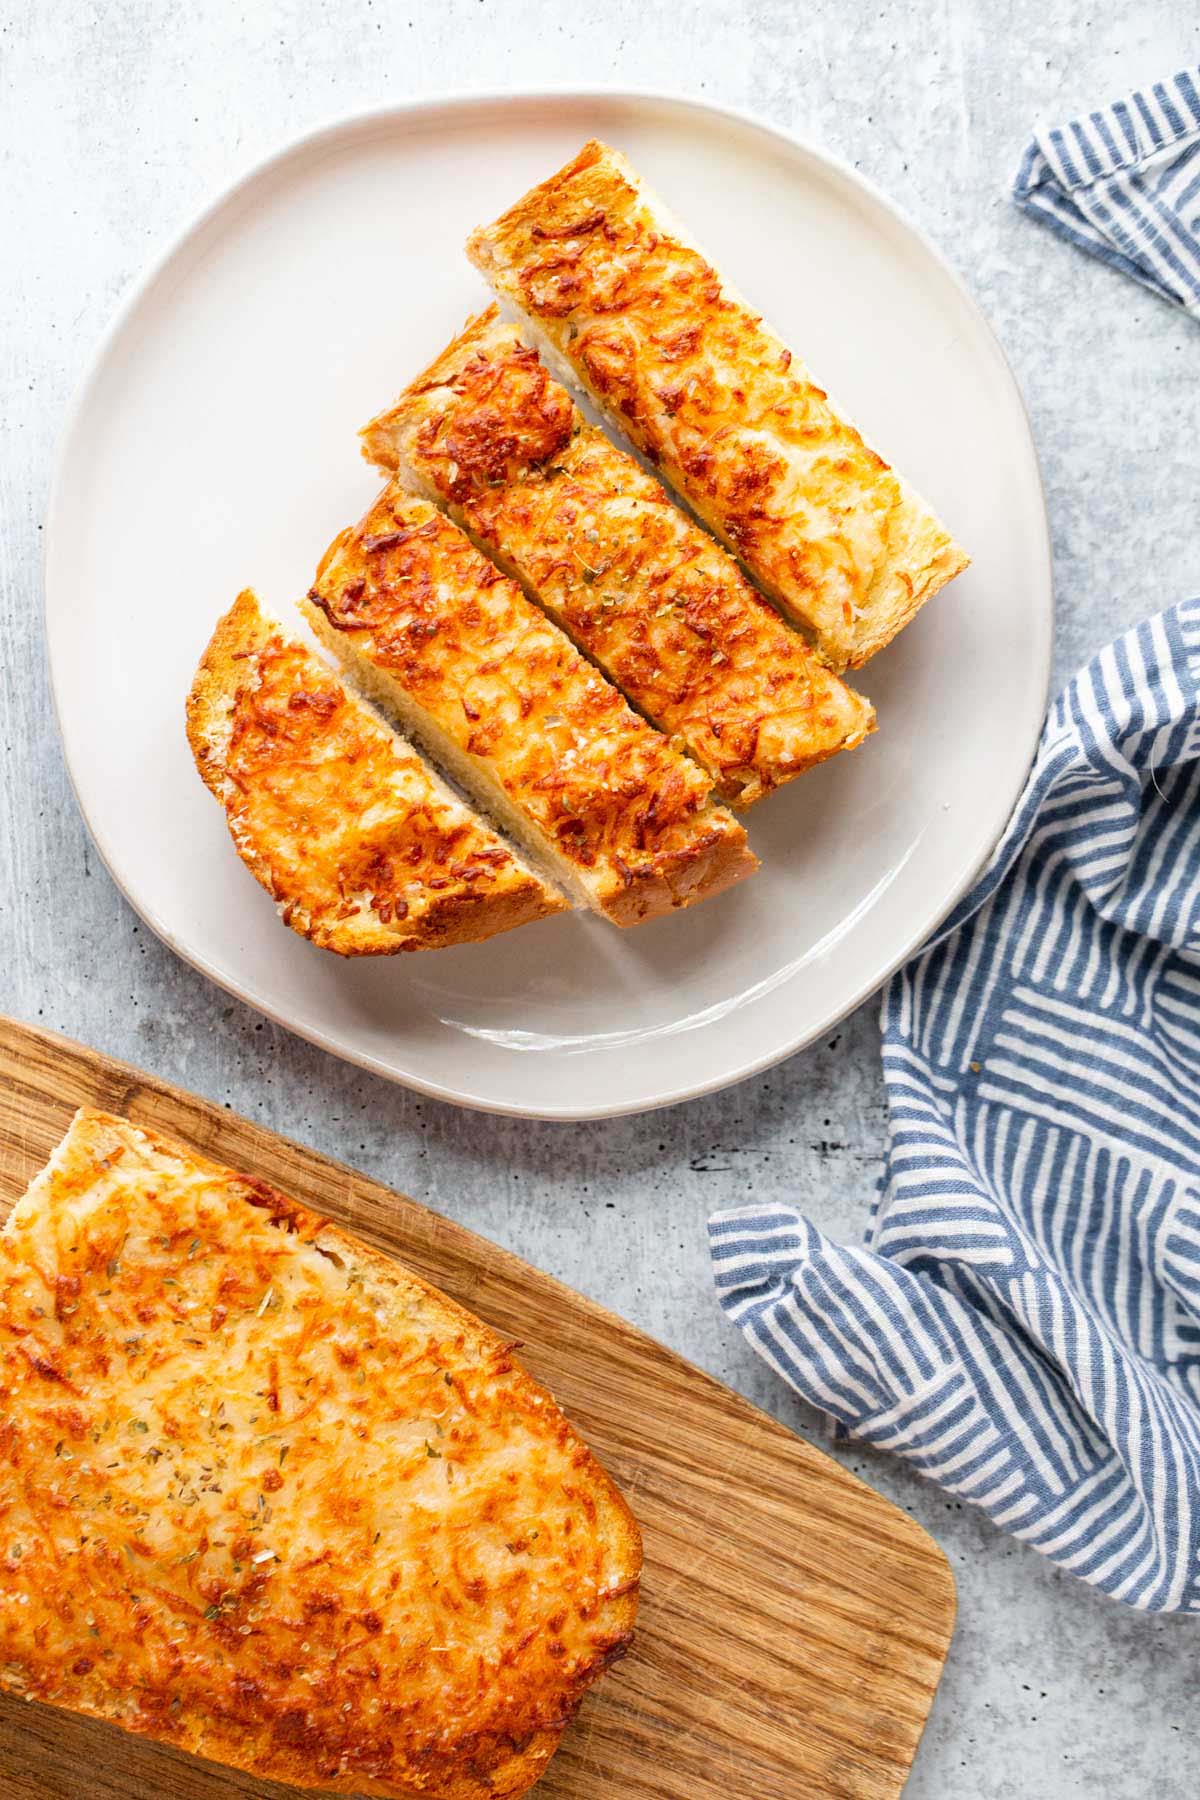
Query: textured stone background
{"type": "Point", "coordinates": [116, 121]}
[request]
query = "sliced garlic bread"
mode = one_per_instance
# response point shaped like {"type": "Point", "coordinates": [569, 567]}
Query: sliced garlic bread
{"type": "Point", "coordinates": [644, 592]}
{"type": "Point", "coordinates": [500, 697]}
{"type": "Point", "coordinates": [363, 848]}
{"type": "Point", "coordinates": [607, 280]}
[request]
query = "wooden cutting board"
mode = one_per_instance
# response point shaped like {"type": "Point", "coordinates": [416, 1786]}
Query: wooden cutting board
{"type": "Point", "coordinates": [793, 1623]}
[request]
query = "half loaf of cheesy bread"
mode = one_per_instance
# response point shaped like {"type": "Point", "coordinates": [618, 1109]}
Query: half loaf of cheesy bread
{"type": "Point", "coordinates": [269, 1498]}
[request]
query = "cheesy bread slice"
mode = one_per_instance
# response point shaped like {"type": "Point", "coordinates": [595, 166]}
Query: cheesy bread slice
{"type": "Point", "coordinates": [502, 698]}
{"type": "Point", "coordinates": [486, 433]}
{"type": "Point", "coordinates": [360, 844]}
{"type": "Point", "coordinates": [607, 280]}
{"type": "Point", "coordinates": [269, 1498]}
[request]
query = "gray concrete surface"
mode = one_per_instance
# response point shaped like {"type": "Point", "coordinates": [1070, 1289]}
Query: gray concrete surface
{"type": "Point", "coordinates": [116, 120]}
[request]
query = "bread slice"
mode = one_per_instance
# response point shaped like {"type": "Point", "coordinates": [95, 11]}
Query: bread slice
{"type": "Point", "coordinates": [269, 1498]}
{"type": "Point", "coordinates": [363, 848]}
{"type": "Point", "coordinates": [486, 433]}
{"type": "Point", "coordinates": [605, 278]}
{"type": "Point", "coordinates": [504, 700]}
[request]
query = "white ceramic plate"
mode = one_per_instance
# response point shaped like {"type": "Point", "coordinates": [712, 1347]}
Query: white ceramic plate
{"type": "Point", "coordinates": [213, 446]}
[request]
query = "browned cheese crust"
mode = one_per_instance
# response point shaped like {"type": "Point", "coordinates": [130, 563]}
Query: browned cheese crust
{"type": "Point", "coordinates": [362, 848]}
{"type": "Point", "coordinates": [709, 393]}
{"type": "Point", "coordinates": [506, 700]}
{"type": "Point", "coordinates": [269, 1498]}
{"type": "Point", "coordinates": [647, 594]}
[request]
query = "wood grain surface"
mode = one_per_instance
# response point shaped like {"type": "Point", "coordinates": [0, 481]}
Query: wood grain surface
{"type": "Point", "coordinates": [793, 1623]}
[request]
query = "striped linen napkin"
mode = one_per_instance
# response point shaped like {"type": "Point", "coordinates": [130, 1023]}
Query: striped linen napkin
{"type": "Point", "coordinates": [1124, 184]}
{"type": "Point", "coordinates": [1024, 1322]}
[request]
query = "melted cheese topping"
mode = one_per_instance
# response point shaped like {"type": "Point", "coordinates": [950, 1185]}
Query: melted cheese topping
{"type": "Point", "coordinates": [707, 391]}
{"type": "Point", "coordinates": [359, 843]}
{"type": "Point", "coordinates": [645, 592]}
{"type": "Point", "coordinates": [266, 1496]}
{"type": "Point", "coordinates": [486, 675]}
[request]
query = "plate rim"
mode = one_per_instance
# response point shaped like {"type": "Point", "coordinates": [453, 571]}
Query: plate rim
{"type": "Point", "coordinates": [460, 101]}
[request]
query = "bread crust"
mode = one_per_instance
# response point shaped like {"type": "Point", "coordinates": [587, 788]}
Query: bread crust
{"type": "Point", "coordinates": [298, 764]}
{"type": "Point", "coordinates": [502, 697]}
{"type": "Point", "coordinates": [163, 1422]}
{"type": "Point", "coordinates": [487, 434]}
{"type": "Point", "coordinates": [598, 269]}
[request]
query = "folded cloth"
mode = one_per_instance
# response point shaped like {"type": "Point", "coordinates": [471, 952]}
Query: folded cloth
{"type": "Point", "coordinates": [1124, 184]}
{"type": "Point", "coordinates": [1024, 1325]}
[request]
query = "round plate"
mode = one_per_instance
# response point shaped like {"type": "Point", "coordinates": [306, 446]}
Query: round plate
{"type": "Point", "coordinates": [213, 447]}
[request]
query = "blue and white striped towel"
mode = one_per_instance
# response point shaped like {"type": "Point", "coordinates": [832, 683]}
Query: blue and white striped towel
{"type": "Point", "coordinates": [1124, 184]}
{"type": "Point", "coordinates": [1024, 1323]}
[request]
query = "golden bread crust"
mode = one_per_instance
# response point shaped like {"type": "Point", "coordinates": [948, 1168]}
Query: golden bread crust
{"type": "Point", "coordinates": [503, 696]}
{"type": "Point", "coordinates": [363, 850]}
{"type": "Point", "coordinates": [271, 1499]}
{"type": "Point", "coordinates": [644, 592]}
{"type": "Point", "coordinates": [704, 389]}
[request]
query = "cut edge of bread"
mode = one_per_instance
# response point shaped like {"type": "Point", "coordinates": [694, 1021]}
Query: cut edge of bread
{"type": "Point", "coordinates": [415, 722]}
